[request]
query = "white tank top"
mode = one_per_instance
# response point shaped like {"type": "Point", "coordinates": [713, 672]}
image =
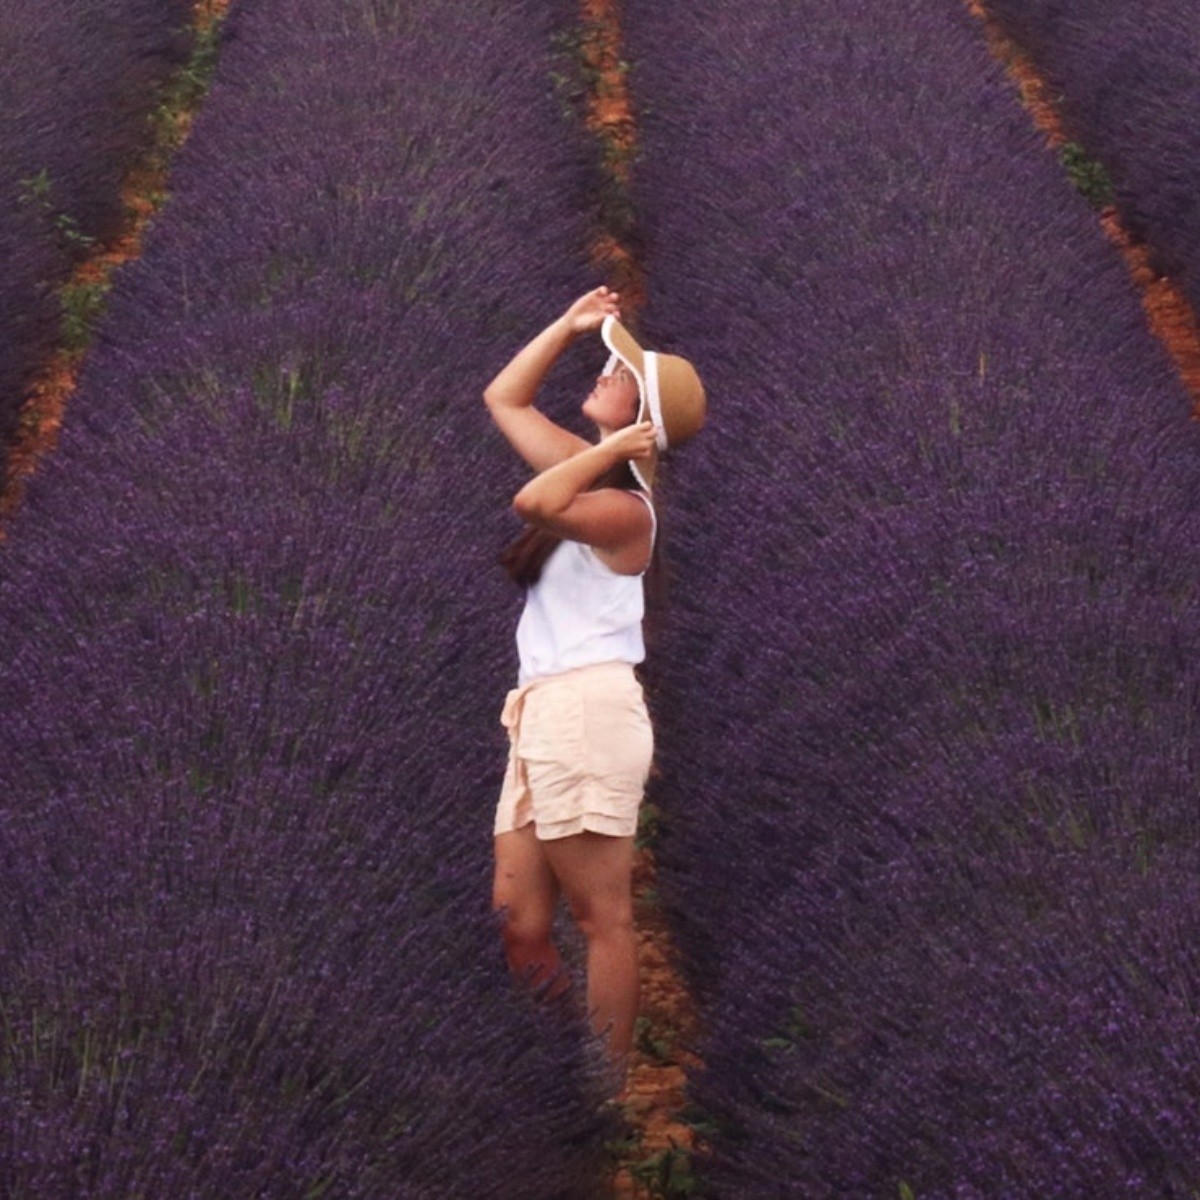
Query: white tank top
{"type": "Point", "coordinates": [580, 612]}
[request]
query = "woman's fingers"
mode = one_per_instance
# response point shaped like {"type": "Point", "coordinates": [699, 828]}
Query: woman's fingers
{"type": "Point", "coordinates": [634, 441]}
{"type": "Point", "coordinates": [589, 311]}
{"type": "Point", "coordinates": [645, 439]}
{"type": "Point", "coordinates": [610, 301]}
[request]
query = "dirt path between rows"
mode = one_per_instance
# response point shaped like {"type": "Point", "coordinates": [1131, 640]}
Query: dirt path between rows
{"type": "Point", "coordinates": [656, 1161]}
{"type": "Point", "coordinates": [1172, 318]}
{"type": "Point", "coordinates": [142, 195]}
{"type": "Point", "coordinates": [610, 117]}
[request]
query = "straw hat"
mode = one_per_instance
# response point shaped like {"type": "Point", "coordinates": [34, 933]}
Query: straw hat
{"type": "Point", "coordinates": [672, 396]}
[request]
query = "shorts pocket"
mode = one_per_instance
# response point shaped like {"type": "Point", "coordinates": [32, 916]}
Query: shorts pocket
{"type": "Point", "coordinates": [619, 735]}
{"type": "Point", "coordinates": [552, 736]}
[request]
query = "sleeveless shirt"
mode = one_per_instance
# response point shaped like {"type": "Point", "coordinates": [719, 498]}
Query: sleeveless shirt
{"type": "Point", "coordinates": [580, 612]}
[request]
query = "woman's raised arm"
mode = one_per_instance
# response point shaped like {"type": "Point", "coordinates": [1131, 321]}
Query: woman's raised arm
{"type": "Point", "coordinates": [539, 441]}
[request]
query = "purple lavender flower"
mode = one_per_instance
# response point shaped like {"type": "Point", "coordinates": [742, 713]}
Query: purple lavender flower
{"type": "Point", "coordinates": [253, 646]}
{"type": "Point", "coordinates": [1126, 82]}
{"type": "Point", "coordinates": [79, 84]}
{"type": "Point", "coordinates": [927, 682]}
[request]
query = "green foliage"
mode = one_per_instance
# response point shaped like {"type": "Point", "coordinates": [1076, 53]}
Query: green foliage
{"type": "Point", "coordinates": [1088, 175]}
{"type": "Point", "coordinates": [384, 16]}
{"type": "Point", "coordinates": [667, 1175]}
{"type": "Point", "coordinates": [703, 1125]}
{"type": "Point", "coordinates": [796, 1029]}
{"type": "Point", "coordinates": [277, 389]}
{"type": "Point", "coordinates": [69, 232]}
{"type": "Point", "coordinates": [37, 191]}
{"type": "Point", "coordinates": [575, 76]}
{"type": "Point", "coordinates": [82, 304]}
{"type": "Point", "coordinates": [657, 1044]}
{"type": "Point", "coordinates": [649, 818]}
{"type": "Point", "coordinates": [187, 88]}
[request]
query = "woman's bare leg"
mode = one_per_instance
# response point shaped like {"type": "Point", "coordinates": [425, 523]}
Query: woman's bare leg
{"type": "Point", "coordinates": [595, 872]}
{"type": "Point", "coordinates": [525, 886]}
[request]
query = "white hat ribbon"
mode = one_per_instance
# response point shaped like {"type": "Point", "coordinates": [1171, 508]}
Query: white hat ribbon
{"type": "Point", "coordinates": [653, 403]}
{"type": "Point", "coordinates": [652, 400]}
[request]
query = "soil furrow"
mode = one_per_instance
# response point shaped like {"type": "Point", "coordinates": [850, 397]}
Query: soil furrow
{"type": "Point", "coordinates": [610, 116]}
{"type": "Point", "coordinates": [142, 195]}
{"type": "Point", "coordinates": [1171, 318]}
{"type": "Point", "coordinates": [661, 1144]}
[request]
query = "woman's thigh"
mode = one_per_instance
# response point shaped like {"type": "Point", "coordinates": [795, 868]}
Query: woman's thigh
{"type": "Point", "coordinates": [595, 872]}
{"type": "Point", "coordinates": [523, 881]}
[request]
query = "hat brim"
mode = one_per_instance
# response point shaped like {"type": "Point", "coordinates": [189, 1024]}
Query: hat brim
{"type": "Point", "coordinates": [624, 346]}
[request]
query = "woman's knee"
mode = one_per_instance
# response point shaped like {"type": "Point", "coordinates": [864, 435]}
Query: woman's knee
{"type": "Point", "coordinates": [524, 889]}
{"type": "Point", "coordinates": [525, 925]}
{"type": "Point", "coordinates": [609, 917]}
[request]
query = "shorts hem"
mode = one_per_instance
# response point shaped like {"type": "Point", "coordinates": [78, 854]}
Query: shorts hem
{"type": "Point", "coordinates": [511, 827]}
{"type": "Point", "coordinates": [549, 831]}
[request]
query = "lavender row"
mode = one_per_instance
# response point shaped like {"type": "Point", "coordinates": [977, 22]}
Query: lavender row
{"type": "Point", "coordinates": [927, 684]}
{"type": "Point", "coordinates": [79, 86]}
{"type": "Point", "coordinates": [254, 645]}
{"type": "Point", "coordinates": [1127, 81]}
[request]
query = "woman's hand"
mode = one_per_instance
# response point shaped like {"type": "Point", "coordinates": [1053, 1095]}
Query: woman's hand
{"type": "Point", "coordinates": [631, 441]}
{"type": "Point", "coordinates": [589, 311]}
{"type": "Point", "coordinates": [559, 498]}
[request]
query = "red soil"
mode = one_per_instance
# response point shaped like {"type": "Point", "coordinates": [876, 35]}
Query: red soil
{"type": "Point", "coordinates": [610, 116]}
{"type": "Point", "coordinates": [1172, 319]}
{"type": "Point", "coordinates": [655, 1090]}
{"type": "Point", "coordinates": [41, 414]}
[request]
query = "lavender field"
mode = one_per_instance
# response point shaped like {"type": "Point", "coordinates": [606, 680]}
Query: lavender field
{"type": "Point", "coordinates": [79, 83]}
{"type": "Point", "coordinates": [253, 647]}
{"type": "Point", "coordinates": [1127, 80]}
{"type": "Point", "coordinates": [928, 694]}
{"type": "Point", "coordinates": [925, 685]}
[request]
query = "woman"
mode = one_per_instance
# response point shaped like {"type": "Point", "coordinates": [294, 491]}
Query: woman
{"type": "Point", "coordinates": [580, 741]}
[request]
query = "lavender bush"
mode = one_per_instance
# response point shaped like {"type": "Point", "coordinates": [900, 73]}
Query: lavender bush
{"type": "Point", "coordinates": [79, 83]}
{"type": "Point", "coordinates": [1128, 81]}
{"type": "Point", "coordinates": [926, 688]}
{"type": "Point", "coordinates": [254, 645]}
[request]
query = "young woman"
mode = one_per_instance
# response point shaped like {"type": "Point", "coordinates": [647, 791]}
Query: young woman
{"type": "Point", "coordinates": [580, 741]}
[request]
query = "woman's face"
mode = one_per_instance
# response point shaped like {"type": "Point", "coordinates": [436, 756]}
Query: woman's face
{"type": "Point", "coordinates": [613, 402]}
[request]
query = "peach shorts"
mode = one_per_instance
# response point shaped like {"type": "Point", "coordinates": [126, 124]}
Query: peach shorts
{"type": "Point", "coordinates": [579, 751]}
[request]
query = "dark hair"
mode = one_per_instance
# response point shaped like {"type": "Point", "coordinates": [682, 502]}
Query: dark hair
{"type": "Point", "coordinates": [526, 555]}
